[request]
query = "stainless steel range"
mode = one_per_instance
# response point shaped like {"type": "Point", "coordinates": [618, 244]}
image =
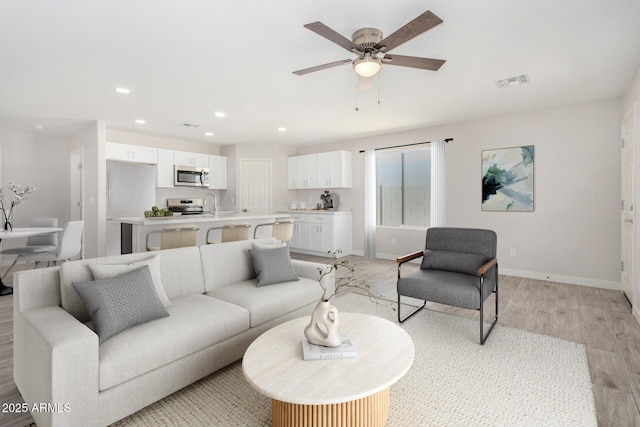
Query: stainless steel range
{"type": "Point", "coordinates": [186, 206]}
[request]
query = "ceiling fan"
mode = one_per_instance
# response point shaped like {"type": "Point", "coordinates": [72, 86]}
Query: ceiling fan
{"type": "Point", "coordinates": [369, 45]}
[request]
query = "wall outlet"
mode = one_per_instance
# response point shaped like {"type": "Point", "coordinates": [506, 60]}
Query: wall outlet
{"type": "Point", "coordinates": [393, 241]}
{"type": "Point", "coordinates": [512, 252]}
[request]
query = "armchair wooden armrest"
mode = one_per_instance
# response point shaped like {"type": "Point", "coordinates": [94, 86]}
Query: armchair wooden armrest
{"type": "Point", "coordinates": [487, 265]}
{"type": "Point", "coordinates": [409, 257]}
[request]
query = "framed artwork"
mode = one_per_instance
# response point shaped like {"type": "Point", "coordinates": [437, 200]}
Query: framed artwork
{"type": "Point", "coordinates": [507, 179]}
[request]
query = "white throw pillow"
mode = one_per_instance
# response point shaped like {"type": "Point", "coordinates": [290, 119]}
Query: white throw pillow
{"type": "Point", "coordinates": [107, 271]}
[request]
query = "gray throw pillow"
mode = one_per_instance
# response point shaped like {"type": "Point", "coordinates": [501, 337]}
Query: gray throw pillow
{"type": "Point", "coordinates": [120, 302]}
{"type": "Point", "coordinates": [273, 265]}
{"type": "Point", "coordinates": [107, 271]}
{"type": "Point", "coordinates": [457, 262]}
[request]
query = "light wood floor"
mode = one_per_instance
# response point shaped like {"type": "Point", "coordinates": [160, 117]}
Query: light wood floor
{"type": "Point", "coordinates": [601, 319]}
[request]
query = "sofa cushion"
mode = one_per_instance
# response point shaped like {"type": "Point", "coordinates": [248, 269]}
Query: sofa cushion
{"type": "Point", "coordinates": [195, 322]}
{"type": "Point", "coordinates": [226, 263]}
{"type": "Point", "coordinates": [457, 262]}
{"type": "Point", "coordinates": [120, 302]}
{"type": "Point", "coordinates": [181, 272]}
{"type": "Point", "coordinates": [273, 265]}
{"type": "Point", "coordinates": [462, 290]}
{"type": "Point", "coordinates": [269, 302]}
{"type": "Point", "coordinates": [106, 271]}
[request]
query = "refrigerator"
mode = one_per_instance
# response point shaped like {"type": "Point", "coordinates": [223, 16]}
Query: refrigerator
{"type": "Point", "coordinates": [131, 190]}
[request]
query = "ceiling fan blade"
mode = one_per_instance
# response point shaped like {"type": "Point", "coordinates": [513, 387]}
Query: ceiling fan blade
{"type": "Point", "coordinates": [331, 35]}
{"type": "Point", "coordinates": [365, 83]}
{"type": "Point", "coordinates": [322, 67]}
{"type": "Point", "coordinates": [414, 62]}
{"type": "Point", "coordinates": [419, 25]}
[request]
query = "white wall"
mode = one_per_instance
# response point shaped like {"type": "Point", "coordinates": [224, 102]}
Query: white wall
{"type": "Point", "coordinates": [40, 160]}
{"type": "Point", "coordinates": [572, 236]}
{"type": "Point", "coordinates": [631, 99]}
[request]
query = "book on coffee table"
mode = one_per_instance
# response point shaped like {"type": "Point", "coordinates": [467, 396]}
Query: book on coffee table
{"type": "Point", "coordinates": [319, 352]}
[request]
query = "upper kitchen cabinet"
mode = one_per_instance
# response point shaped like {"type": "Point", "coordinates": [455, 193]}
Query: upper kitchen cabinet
{"type": "Point", "coordinates": [164, 169]}
{"type": "Point", "coordinates": [334, 169]}
{"type": "Point", "coordinates": [131, 153]}
{"type": "Point", "coordinates": [217, 172]}
{"type": "Point", "coordinates": [185, 158]}
{"type": "Point", "coordinates": [323, 170]}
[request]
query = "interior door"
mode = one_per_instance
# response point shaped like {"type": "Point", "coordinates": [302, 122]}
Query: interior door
{"type": "Point", "coordinates": [76, 159]}
{"type": "Point", "coordinates": [627, 206]}
{"type": "Point", "coordinates": [255, 186]}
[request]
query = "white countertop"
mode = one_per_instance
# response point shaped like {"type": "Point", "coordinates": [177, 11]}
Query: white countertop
{"type": "Point", "coordinates": [199, 218]}
{"type": "Point", "coordinates": [314, 212]}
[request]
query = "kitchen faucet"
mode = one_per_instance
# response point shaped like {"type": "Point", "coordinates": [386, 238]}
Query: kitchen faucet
{"type": "Point", "coordinates": [215, 201]}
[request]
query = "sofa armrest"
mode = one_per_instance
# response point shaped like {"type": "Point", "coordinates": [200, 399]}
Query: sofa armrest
{"type": "Point", "coordinates": [308, 269]}
{"type": "Point", "coordinates": [36, 288]}
{"type": "Point", "coordinates": [55, 360]}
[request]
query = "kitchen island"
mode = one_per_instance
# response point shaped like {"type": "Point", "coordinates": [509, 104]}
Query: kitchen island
{"type": "Point", "coordinates": [133, 230]}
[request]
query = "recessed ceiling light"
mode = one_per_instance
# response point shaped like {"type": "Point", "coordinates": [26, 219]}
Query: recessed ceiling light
{"type": "Point", "coordinates": [208, 133]}
{"type": "Point", "coordinates": [141, 122]}
{"type": "Point", "coordinates": [220, 114]}
{"type": "Point", "coordinates": [122, 90]}
{"type": "Point", "coordinates": [282, 129]}
{"type": "Point", "coordinates": [513, 81]}
{"type": "Point", "coordinates": [39, 127]}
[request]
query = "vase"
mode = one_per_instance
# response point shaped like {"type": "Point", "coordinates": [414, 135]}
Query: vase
{"type": "Point", "coordinates": [7, 223]}
{"type": "Point", "coordinates": [323, 328]}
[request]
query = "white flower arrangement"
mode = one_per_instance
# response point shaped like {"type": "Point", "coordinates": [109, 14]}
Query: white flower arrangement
{"type": "Point", "coordinates": [20, 193]}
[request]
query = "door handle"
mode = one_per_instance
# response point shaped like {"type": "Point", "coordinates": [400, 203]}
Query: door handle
{"type": "Point", "coordinates": [629, 220]}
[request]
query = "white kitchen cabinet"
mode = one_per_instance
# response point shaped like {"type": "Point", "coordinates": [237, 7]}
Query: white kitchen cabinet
{"type": "Point", "coordinates": [217, 172]}
{"type": "Point", "coordinates": [320, 233]}
{"type": "Point", "coordinates": [324, 170]}
{"type": "Point", "coordinates": [334, 169]}
{"type": "Point", "coordinates": [292, 171]}
{"type": "Point", "coordinates": [185, 158]}
{"type": "Point", "coordinates": [164, 169]}
{"type": "Point", "coordinates": [131, 153]}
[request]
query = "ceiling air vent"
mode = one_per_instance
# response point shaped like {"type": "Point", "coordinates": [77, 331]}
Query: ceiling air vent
{"type": "Point", "coordinates": [190, 125]}
{"type": "Point", "coordinates": [512, 81]}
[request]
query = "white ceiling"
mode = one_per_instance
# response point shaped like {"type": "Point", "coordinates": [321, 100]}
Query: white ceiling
{"type": "Point", "coordinates": [61, 60]}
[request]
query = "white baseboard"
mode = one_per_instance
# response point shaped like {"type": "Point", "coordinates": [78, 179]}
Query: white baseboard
{"type": "Point", "coordinates": [549, 277]}
{"type": "Point", "coordinates": [572, 280]}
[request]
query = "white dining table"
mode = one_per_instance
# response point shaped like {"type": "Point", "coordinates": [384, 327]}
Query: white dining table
{"type": "Point", "coordinates": [21, 232]}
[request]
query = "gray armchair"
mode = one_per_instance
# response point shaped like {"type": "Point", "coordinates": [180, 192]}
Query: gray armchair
{"type": "Point", "coordinates": [459, 268]}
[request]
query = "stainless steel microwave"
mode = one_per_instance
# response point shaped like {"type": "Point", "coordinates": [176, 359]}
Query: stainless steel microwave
{"type": "Point", "coordinates": [191, 176]}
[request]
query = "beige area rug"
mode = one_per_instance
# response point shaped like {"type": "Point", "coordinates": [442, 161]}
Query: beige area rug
{"type": "Point", "coordinates": [518, 378]}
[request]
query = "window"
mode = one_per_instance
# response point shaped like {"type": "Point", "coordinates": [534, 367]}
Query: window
{"type": "Point", "coordinates": [404, 188]}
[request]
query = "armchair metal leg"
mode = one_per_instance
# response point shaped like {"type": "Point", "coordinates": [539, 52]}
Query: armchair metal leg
{"type": "Point", "coordinates": [400, 318]}
{"type": "Point", "coordinates": [484, 337]}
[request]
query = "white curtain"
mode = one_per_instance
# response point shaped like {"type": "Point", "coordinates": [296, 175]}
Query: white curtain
{"type": "Point", "coordinates": [437, 183]}
{"type": "Point", "coordinates": [370, 203]}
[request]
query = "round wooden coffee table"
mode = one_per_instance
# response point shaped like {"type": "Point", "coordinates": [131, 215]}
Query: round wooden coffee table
{"type": "Point", "coordinates": [336, 392]}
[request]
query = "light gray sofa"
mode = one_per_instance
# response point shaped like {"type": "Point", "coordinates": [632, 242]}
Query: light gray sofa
{"type": "Point", "coordinates": [216, 311]}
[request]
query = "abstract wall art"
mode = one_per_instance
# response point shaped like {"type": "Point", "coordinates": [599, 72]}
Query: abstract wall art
{"type": "Point", "coordinates": [507, 179]}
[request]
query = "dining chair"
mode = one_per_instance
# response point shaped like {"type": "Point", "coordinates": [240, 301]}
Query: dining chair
{"type": "Point", "coordinates": [230, 233]}
{"type": "Point", "coordinates": [70, 246]}
{"type": "Point", "coordinates": [174, 237]}
{"type": "Point", "coordinates": [282, 229]}
{"type": "Point", "coordinates": [40, 243]}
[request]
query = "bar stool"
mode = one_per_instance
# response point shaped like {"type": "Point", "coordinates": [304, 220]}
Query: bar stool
{"type": "Point", "coordinates": [282, 229]}
{"type": "Point", "coordinates": [231, 232]}
{"type": "Point", "coordinates": [174, 237]}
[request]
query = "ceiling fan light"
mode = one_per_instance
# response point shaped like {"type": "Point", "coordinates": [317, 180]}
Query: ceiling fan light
{"type": "Point", "coordinates": [367, 66]}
